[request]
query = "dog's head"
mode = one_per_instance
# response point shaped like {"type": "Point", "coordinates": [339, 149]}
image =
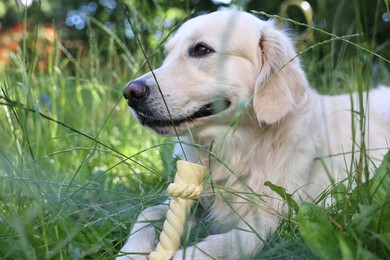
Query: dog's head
{"type": "Point", "coordinates": [213, 65]}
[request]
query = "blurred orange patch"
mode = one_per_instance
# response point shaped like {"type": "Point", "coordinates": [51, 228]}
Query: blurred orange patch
{"type": "Point", "coordinates": [40, 43]}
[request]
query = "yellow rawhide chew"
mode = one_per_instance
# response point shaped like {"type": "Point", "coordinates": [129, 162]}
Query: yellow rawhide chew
{"type": "Point", "coordinates": [186, 188]}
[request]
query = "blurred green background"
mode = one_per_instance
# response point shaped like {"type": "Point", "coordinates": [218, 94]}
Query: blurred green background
{"type": "Point", "coordinates": [76, 22]}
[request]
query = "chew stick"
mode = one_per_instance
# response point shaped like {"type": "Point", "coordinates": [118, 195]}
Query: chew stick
{"type": "Point", "coordinates": [186, 188]}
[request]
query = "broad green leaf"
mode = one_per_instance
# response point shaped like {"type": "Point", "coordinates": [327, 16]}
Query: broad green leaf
{"type": "Point", "coordinates": [380, 192]}
{"type": "Point", "coordinates": [318, 233]}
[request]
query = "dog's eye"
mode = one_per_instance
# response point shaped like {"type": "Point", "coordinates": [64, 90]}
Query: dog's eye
{"type": "Point", "coordinates": [200, 50]}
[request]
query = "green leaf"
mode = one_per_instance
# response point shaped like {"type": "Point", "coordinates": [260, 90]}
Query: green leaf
{"type": "Point", "coordinates": [363, 218]}
{"type": "Point", "coordinates": [380, 192]}
{"type": "Point", "coordinates": [318, 233]}
{"type": "Point", "coordinates": [347, 250]}
{"type": "Point", "coordinates": [282, 193]}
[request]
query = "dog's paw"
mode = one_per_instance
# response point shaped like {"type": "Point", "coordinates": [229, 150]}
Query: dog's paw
{"type": "Point", "coordinates": [137, 249]}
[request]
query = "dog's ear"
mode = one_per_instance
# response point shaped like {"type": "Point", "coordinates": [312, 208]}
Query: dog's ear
{"type": "Point", "coordinates": [281, 82]}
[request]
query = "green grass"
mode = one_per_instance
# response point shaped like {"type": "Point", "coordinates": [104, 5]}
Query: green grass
{"type": "Point", "coordinates": [76, 169]}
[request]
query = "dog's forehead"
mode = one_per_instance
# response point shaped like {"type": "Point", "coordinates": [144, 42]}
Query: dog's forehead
{"type": "Point", "coordinates": [219, 22]}
{"type": "Point", "coordinates": [216, 25]}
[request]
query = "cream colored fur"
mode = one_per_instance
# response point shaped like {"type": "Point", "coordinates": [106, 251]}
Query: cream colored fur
{"type": "Point", "coordinates": [286, 132]}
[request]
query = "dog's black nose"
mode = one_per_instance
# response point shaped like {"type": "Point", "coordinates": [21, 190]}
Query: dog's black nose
{"type": "Point", "coordinates": [134, 91]}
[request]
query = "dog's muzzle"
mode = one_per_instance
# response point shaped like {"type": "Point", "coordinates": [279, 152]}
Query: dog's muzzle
{"type": "Point", "coordinates": [139, 95]}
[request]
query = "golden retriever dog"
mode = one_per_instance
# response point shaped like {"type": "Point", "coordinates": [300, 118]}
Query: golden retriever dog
{"type": "Point", "coordinates": [234, 84]}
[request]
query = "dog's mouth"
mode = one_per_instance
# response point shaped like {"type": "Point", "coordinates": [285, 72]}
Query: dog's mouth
{"type": "Point", "coordinates": [207, 110]}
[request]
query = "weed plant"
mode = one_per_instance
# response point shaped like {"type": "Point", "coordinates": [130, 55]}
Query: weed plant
{"type": "Point", "coordinates": [76, 169]}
